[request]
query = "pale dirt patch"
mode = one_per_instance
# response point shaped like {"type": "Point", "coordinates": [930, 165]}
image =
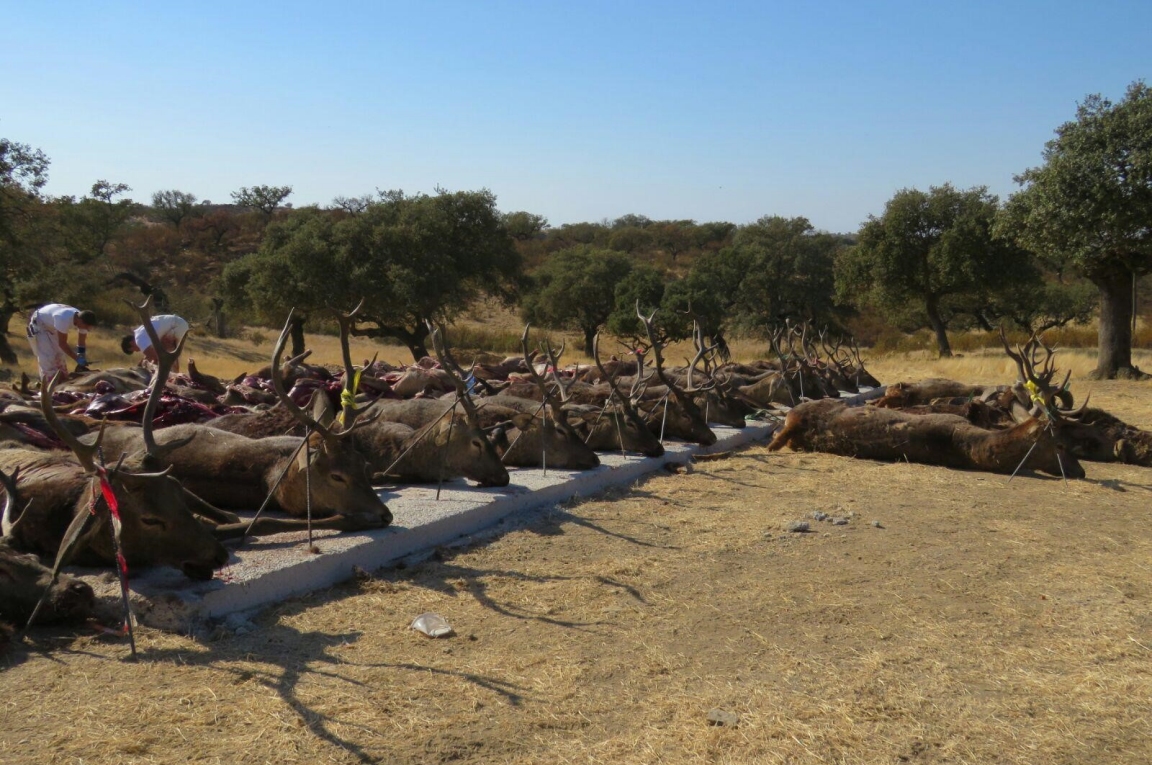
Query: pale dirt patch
{"type": "Point", "coordinates": [982, 623]}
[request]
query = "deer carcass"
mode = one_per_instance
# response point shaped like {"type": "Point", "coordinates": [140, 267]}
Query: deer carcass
{"type": "Point", "coordinates": [870, 432]}
{"type": "Point", "coordinates": [233, 471]}
{"type": "Point", "coordinates": [159, 523]}
{"type": "Point", "coordinates": [23, 579]}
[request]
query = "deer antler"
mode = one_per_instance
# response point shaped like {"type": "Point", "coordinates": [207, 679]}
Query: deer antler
{"type": "Point", "coordinates": [448, 364]}
{"type": "Point", "coordinates": [702, 352]}
{"type": "Point", "coordinates": [1040, 384]}
{"type": "Point", "coordinates": [682, 396]}
{"type": "Point", "coordinates": [540, 382]}
{"type": "Point", "coordinates": [347, 322]}
{"type": "Point", "coordinates": [548, 398]}
{"type": "Point", "coordinates": [84, 453]}
{"type": "Point", "coordinates": [165, 359]}
{"type": "Point", "coordinates": [627, 403]}
{"type": "Point", "coordinates": [554, 362]}
{"type": "Point", "coordinates": [297, 413]}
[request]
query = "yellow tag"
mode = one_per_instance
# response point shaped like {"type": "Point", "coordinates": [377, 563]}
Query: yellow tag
{"type": "Point", "coordinates": [1034, 392]}
{"type": "Point", "coordinates": [348, 397]}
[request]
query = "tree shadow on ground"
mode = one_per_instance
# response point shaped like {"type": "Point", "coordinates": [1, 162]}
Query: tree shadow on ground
{"type": "Point", "coordinates": [554, 524]}
{"type": "Point", "coordinates": [445, 578]}
{"type": "Point", "coordinates": [280, 657]}
{"type": "Point", "coordinates": [1116, 484]}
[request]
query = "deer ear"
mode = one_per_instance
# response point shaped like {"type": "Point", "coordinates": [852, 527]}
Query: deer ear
{"type": "Point", "coordinates": [522, 421]}
{"type": "Point", "coordinates": [302, 456]}
{"type": "Point", "coordinates": [1019, 412]}
{"type": "Point", "coordinates": [322, 408]}
{"type": "Point", "coordinates": [498, 437]}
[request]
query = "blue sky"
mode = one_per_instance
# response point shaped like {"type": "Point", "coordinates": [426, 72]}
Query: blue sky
{"type": "Point", "coordinates": [576, 111]}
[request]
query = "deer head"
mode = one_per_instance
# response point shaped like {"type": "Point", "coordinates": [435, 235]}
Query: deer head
{"type": "Point", "coordinates": [337, 474]}
{"type": "Point", "coordinates": [475, 435]}
{"type": "Point", "coordinates": [694, 418]}
{"type": "Point", "coordinates": [634, 432]}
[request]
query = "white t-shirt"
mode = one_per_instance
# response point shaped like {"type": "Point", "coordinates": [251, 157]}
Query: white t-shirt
{"type": "Point", "coordinates": [167, 326]}
{"type": "Point", "coordinates": [57, 316]}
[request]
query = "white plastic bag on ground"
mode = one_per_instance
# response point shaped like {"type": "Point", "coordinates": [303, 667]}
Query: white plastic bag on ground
{"type": "Point", "coordinates": [432, 625]}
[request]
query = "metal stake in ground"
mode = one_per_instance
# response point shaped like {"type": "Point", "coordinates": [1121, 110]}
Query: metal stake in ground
{"type": "Point", "coordinates": [423, 434]}
{"type": "Point", "coordinates": [75, 529]}
{"type": "Point", "coordinates": [444, 451]}
{"type": "Point", "coordinates": [597, 422]}
{"type": "Point", "coordinates": [121, 563]}
{"type": "Point", "coordinates": [271, 491]}
{"type": "Point", "coordinates": [664, 419]}
{"type": "Point", "coordinates": [308, 486]}
{"type": "Point", "coordinates": [1026, 456]}
{"type": "Point", "coordinates": [619, 432]}
{"type": "Point", "coordinates": [521, 433]}
{"type": "Point", "coordinates": [1059, 461]}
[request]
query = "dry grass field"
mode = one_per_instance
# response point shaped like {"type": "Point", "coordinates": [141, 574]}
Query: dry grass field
{"type": "Point", "coordinates": [975, 622]}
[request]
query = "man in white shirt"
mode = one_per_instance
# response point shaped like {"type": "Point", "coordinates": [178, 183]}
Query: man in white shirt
{"type": "Point", "coordinates": [48, 330]}
{"type": "Point", "coordinates": [169, 328]}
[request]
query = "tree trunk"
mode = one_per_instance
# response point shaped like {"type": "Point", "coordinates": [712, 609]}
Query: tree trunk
{"type": "Point", "coordinates": [218, 317]}
{"type": "Point", "coordinates": [589, 338]}
{"type": "Point", "coordinates": [7, 355]}
{"type": "Point", "coordinates": [417, 348]}
{"type": "Point", "coordinates": [933, 310]}
{"type": "Point", "coordinates": [1115, 338]}
{"type": "Point", "coordinates": [414, 340]}
{"type": "Point", "coordinates": [297, 334]}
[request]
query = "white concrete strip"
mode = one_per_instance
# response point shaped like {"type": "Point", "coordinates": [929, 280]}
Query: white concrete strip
{"type": "Point", "coordinates": [270, 569]}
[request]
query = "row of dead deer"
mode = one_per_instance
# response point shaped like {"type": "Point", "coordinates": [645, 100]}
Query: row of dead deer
{"type": "Point", "coordinates": [996, 428]}
{"type": "Point", "coordinates": [176, 490]}
{"type": "Point", "coordinates": [179, 487]}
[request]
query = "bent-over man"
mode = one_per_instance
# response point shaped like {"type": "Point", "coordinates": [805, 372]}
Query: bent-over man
{"type": "Point", "coordinates": [48, 330]}
{"type": "Point", "coordinates": [169, 328]}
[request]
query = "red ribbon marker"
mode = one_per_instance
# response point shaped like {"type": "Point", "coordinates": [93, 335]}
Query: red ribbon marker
{"type": "Point", "coordinates": [121, 563]}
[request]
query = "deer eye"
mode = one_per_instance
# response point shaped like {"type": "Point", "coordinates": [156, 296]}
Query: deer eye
{"type": "Point", "coordinates": [150, 521]}
{"type": "Point", "coordinates": [337, 478]}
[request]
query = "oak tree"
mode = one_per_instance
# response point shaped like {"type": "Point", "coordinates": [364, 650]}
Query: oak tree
{"type": "Point", "coordinates": [1089, 206]}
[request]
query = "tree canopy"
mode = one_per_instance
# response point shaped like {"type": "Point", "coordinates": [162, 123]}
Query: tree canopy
{"type": "Point", "coordinates": [576, 289]}
{"type": "Point", "coordinates": [413, 259]}
{"type": "Point", "coordinates": [174, 206]}
{"type": "Point", "coordinates": [23, 173]}
{"type": "Point", "coordinates": [1089, 206]}
{"type": "Point", "coordinates": [262, 199]}
{"type": "Point", "coordinates": [933, 254]}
